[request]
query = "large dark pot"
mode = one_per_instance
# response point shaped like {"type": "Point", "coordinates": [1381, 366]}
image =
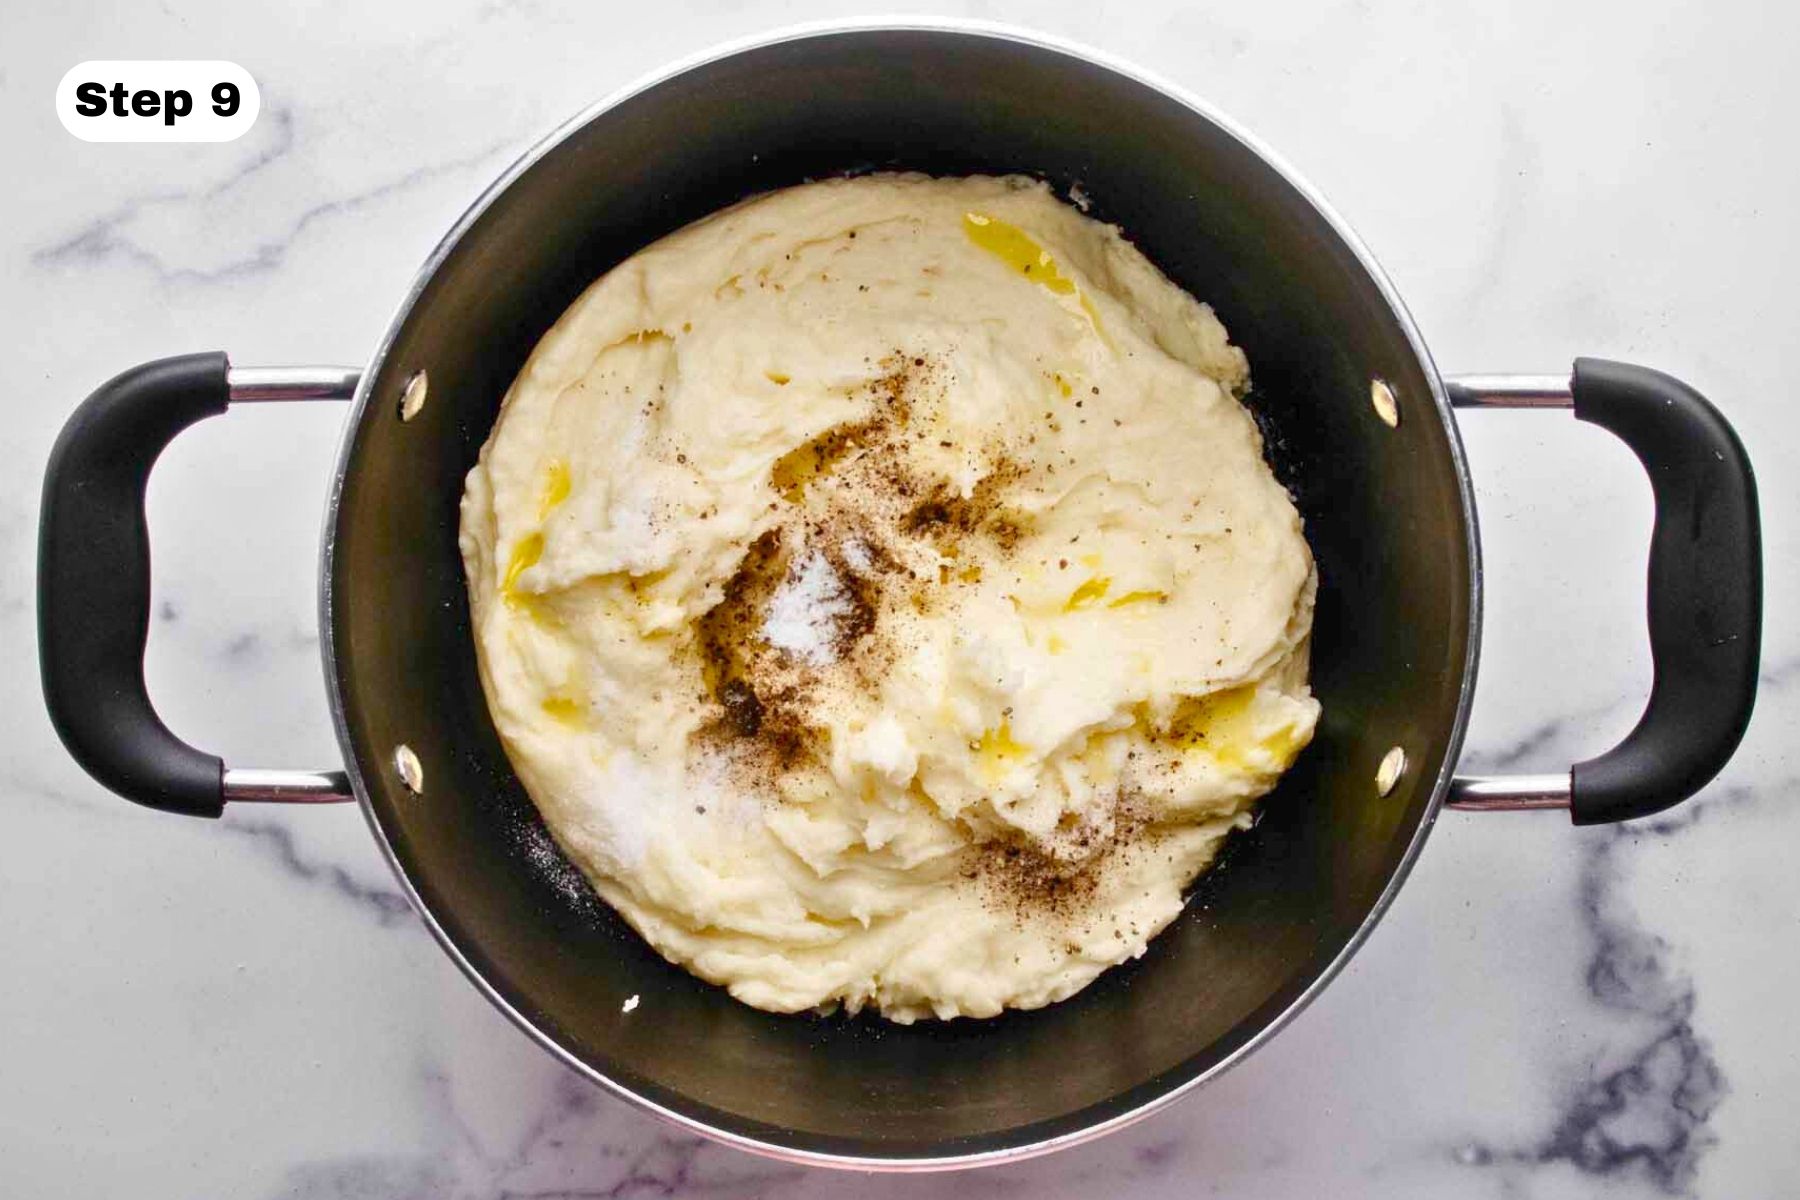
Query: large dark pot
{"type": "Point", "coordinates": [1383, 488]}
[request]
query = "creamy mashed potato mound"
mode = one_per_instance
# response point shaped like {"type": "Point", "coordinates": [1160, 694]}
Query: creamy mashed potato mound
{"type": "Point", "coordinates": [879, 589]}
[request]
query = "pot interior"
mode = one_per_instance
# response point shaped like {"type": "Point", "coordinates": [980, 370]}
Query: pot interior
{"type": "Point", "coordinates": [1385, 513]}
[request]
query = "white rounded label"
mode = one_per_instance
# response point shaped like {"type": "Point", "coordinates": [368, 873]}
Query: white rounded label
{"type": "Point", "coordinates": [157, 101]}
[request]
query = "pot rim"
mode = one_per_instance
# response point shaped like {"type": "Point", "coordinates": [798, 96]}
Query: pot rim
{"type": "Point", "coordinates": [1037, 40]}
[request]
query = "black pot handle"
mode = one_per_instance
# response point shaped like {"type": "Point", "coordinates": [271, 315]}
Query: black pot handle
{"type": "Point", "coordinates": [1705, 592]}
{"type": "Point", "coordinates": [1704, 587]}
{"type": "Point", "coordinates": [94, 583]}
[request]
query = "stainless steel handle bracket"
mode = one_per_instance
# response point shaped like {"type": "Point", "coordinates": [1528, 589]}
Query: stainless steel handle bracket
{"type": "Point", "coordinates": [1510, 391]}
{"type": "Point", "coordinates": [264, 385]}
{"type": "Point", "coordinates": [259, 385]}
{"type": "Point", "coordinates": [262, 786]}
{"type": "Point", "coordinates": [1510, 793]}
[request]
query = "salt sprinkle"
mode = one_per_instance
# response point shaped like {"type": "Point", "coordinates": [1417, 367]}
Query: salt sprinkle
{"type": "Point", "coordinates": [630, 1004]}
{"type": "Point", "coordinates": [548, 861]}
{"type": "Point", "coordinates": [804, 612]}
{"type": "Point", "coordinates": [857, 556]}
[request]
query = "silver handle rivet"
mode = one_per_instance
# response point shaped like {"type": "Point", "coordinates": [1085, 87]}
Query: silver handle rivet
{"type": "Point", "coordinates": [1393, 766]}
{"type": "Point", "coordinates": [1381, 396]}
{"type": "Point", "coordinates": [411, 772]}
{"type": "Point", "coordinates": [413, 398]}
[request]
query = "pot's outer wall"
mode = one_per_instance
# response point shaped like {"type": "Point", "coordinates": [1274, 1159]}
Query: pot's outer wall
{"type": "Point", "coordinates": [1384, 509]}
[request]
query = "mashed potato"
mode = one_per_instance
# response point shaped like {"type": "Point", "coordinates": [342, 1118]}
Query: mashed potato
{"type": "Point", "coordinates": [879, 589]}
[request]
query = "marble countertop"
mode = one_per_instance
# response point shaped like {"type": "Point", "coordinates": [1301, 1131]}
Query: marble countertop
{"type": "Point", "coordinates": [248, 1008]}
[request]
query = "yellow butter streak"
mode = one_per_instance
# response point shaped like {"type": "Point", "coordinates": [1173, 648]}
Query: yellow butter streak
{"type": "Point", "coordinates": [565, 709]}
{"type": "Point", "coordinates": [525, 554]}
{"type": "Point", "coordinates": [529, 549]}
{"type": "Point", "coordinates": [556, 487]}
{"type": "Point", "coordinates": [998, 752]}
{"type": "Point", "coordinates": [1088, 594]}
{"type": "Point", "coordinates": [1222, 724]}
{"type": "Point", "coordinates": [1016, 248]}
{"type": "Point", "coordinates": [1144, 596]}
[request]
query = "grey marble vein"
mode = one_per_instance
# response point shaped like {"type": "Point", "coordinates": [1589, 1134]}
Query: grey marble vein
{"type": "Point", "coordinates": [107, 239]}
{"type": "Point", "coordinates": [667, 1164]}
{"type": "Point", "coordinates": [1780, 674]}
{"type": "Point", "coordinates": [1535, 749]}
{"type": "Point", "coordinates": [573, 1149]}
{"type": "Point", "coordinates": [93, 241]}
{"type": "Point", "coordinates": [90, 799]}
{"type": "Point", "coordinates": [1645, 1119]}
{"type": "Point", "coordinates": [247, 645]}
{"type": "Point", "coordinates": [664, 1167]}
{"type": "Point", "coordinates": [276, 841]}
{"type": "Point", "coordinates": [1526, 750]}
{"type": "Point", "coordinates": [244, 647]}
{"type": "Point", "coordinates": [369, 1177]}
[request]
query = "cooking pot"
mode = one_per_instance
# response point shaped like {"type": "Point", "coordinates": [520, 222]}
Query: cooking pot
{"type": "Point", "coordinates": [1358, 424]}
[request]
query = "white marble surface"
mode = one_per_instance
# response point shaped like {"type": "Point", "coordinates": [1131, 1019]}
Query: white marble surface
{"type": "Point", "coordinates": [247, 1008]}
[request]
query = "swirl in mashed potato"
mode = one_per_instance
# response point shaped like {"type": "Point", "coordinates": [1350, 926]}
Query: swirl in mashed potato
{"type": "Point", "coordinates": [880, 591]}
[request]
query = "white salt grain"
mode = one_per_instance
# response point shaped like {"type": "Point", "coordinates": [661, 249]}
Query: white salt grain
{"type": "Point", "coordinates": [627, 804]}
{"type": "Point", "coordinates": [629, 1004]}
{"type": "Point", "coordinates": [548, 861]}
{"type": "Point", "coordinates": [857, 556]}
{"type": "Point", "coordinates": [805, 610]}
